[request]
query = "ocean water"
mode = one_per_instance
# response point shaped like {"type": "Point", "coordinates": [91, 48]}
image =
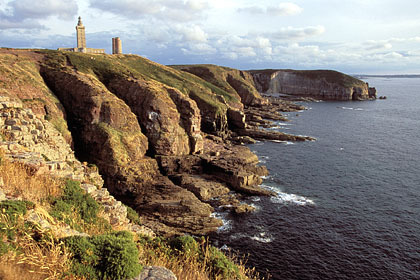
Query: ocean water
{"type": "Point", "coordinates": [348, 204]}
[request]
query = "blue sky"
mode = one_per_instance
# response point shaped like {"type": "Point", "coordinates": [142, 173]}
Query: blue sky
{"type": "Point", "coordinates": [352, 36]}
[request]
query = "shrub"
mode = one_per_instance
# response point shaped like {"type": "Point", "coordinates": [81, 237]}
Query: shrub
{"type": "Point", "coordinates": [133, 216]}
{"type": "Point", "coordinates": [222, 266]}
{"type": "Point", "coordinates": [74, 203]}
{"type": "Point", "coordinates": [109, 256]}
{"type": "Point", "coordinates": [185, 244]}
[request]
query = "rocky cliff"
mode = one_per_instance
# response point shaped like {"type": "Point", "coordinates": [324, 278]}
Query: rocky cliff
{"type": "Point", "coordinates": [319, 84]}
{"type": "Point", "coordinates": [164, 140]}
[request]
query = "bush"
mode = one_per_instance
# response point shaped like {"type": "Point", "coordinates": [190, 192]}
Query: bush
{"type": "Point", "coordinates": [133, 216]}
{"type": "Point", "coordinates": [185, 244]}
{"type": "Point", "coordinates": [221, 265]}
{"type": "Point", "coordinates": [74, 202]}
{"type": "Point", "coordinates": [109, 256]}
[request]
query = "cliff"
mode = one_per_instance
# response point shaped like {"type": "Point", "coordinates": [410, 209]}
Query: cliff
{"type": "Point", "coordinates": [319, 84]}
{"type": "Point", "coordinates": [164, 140]}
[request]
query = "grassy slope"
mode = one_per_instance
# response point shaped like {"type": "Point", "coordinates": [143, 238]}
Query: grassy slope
{"type": "Point", "coordinates": [106, 66]}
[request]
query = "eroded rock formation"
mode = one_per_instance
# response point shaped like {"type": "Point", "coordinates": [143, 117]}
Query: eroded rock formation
{"type": "Point", "coordinates": [320, 84]}
{"type": "Point", "coordinates": [164, 140]}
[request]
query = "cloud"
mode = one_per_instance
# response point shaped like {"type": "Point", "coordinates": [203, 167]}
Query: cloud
{"type": "Point", "coordinates": [282, 9]}
{"type": "Point", "coordinates": [287, 33]}
{"type": "Point", "coordinates": [174, 10]}
{"type": "Point", "coordinates": [378, 45]}
{"type": "Point", "coordinates": [192, 33]}
{"type": "Point", "coordinates": [285, 9]}
{"type": "Point", "coordinates": [24, 14]}
{"type": "Point", "coordinates": [199, 49]}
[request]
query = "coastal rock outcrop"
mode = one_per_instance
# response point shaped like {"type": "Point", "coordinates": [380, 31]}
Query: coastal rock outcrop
{"type": "Point", "coordinates": [320, 84]}
{"type": "Point", "coordinates": [164, 140]}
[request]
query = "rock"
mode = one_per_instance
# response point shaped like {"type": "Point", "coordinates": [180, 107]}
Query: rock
{"type": "Point", "coordinates": [159, 116]}
{"type": "Point", "coordinates": [204, 188]}
{"type": "Point", "coordinates": [244, 208]}
{"type": "Point", "coordinates": [321, 84]}
{"type": "Point", "coordinates": [155, 273]}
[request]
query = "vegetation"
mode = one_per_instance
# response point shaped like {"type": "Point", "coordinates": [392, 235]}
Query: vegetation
{"type": "Point", "coordinates": [109, 256]}
{"type": "Point", "coordinates": [77, 209]}
{"type": "Point", "coordinates": [133, 216]}
{"type": "Point", "coordinates": [27, 252]}
{"type": "Point", "coordinates": [191, 259]}
{"type": "Point", "coordinates": [107, 67]}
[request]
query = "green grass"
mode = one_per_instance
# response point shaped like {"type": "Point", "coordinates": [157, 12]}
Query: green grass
{"type": "Point", "coordinates": [76, 208]}
{"type": "Point", "coordinates": [107, 67]}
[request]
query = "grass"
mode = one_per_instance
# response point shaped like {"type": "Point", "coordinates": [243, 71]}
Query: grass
{"type": "Point", "coordinates": [131, 66]}
{"type": "Point", "coordinates": [31, 253]}
{"type": "Point", "coordinates": [22, 181]}
{"type": "Point", "coordinates": [193, 260]}
{"type": "Point", "coordinates": [79, 210]}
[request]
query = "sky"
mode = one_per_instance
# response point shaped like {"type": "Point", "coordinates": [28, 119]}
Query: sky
{"type": "Point", "coordinates": [351, 36]}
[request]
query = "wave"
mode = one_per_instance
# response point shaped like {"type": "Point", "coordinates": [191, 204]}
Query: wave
{"type": "Point", "coordinates": [283, 124]}
{"type": "Point", "coordinates": [284, 142]}
{"type": "Point", "coordinates": [350, 108]}
{"type": "Point", "coordinates": [263, 237]}
{"type": "Point", "coordinates": [287, 198]}
{"type": "Point", "coordinates": [227, 224]}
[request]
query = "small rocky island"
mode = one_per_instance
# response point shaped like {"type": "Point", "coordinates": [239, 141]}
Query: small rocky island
{"type": "Point", "coordinates": [167, 140]}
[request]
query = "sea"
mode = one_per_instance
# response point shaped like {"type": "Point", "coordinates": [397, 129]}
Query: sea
{"type": "Point", "coordinates": [347, 204]}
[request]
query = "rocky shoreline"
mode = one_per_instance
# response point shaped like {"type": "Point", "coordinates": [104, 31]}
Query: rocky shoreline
{"type": "Point", "coordinates": [167, 141]}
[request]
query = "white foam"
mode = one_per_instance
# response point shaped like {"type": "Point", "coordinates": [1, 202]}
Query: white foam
{"type": "Point", "coordinates": [224, 248]}
{"type": "Point", "coordinates": [283, 142]}
{"type": "Point", "coordinates": [262, 237]}
{"type": "Point", "coordinates": [287, 198]}
{"type": "Point", "coordinates": [227, 224]}
{"type": "Point", "coordinates": [283, 124]}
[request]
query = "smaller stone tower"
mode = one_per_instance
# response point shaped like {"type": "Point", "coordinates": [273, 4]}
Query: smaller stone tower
{"type": "Point", "coordinates": [116, 45]}
{"type": "Point", "coordinates": [81, 37]}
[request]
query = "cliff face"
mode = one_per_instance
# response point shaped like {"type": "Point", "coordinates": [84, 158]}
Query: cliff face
{"type": "Point", "coordinates": [145, 126]}
{"type": "Point", "coordinates": [320, 84]}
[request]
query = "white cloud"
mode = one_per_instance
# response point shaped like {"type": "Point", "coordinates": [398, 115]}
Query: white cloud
{"type": "Point", "coordinates": [192, 33]}
{"type": "Point", "coordinates": [285, 9]}
{"type": "Point", "coordinates": [282, 9]}
{"type": "Point", "coordinates": [174, 10]}
{"type": "Point", "coordinates": [287, 33]}
{"type": "Point", "coordinates": [199, 49]}
{"type": "Point", "coordinates": [24, 9]}
{"type": "Point", "coordinates": [378, 45]}
{"type": "Point", "coordinates": [24, 14]}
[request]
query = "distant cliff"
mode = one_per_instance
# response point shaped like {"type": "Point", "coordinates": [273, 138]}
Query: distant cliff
{"type": "Point", "coordinates": [320, 84]}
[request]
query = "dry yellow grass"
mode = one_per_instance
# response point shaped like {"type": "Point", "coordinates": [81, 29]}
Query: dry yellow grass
{"type": "Point", "coordinates": [20, 181]}
{"type": "Point", "coordinates": [190, 267]}
{"type": "Point", "coordinates": [32, 259]}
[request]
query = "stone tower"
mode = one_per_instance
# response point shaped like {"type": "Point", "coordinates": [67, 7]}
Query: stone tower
{"type": "Point", "coordinates": [116, 46]}
{"type": "Point", "coordinates": [81, 37]}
